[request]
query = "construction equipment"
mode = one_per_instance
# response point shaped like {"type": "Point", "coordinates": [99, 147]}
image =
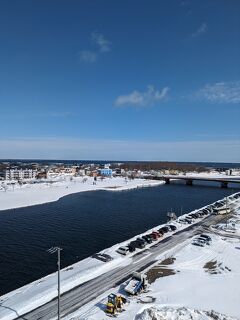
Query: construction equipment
{"type": "Point", "coordinates": [137, 283]}
{"type": "Point", "coordinates": [115, 303]}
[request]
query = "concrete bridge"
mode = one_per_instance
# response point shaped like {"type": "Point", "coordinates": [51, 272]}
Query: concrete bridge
{"type": "Point", "coordinates": [189, 179]}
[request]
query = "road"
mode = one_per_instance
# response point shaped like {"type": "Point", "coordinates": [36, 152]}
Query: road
{"type": "Point", "coordinates": [86, 292]}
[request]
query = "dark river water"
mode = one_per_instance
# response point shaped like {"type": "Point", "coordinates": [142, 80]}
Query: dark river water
{"type": "Point", "coordinates": [85, 223]}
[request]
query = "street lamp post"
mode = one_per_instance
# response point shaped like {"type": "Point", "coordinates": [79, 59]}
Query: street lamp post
{"type": "Point", "coordinates": [51, 251]}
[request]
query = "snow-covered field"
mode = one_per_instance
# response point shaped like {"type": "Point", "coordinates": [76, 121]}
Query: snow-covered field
{"type": "Point", "coordinates": [203, 284]}
{"type": "Point", "coordinates": [32, 194]}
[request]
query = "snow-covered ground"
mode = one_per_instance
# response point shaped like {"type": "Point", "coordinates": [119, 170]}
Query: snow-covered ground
{"type": "Point", "coordinates": [199, 284]}
{"type": "Point", "coordinates": [32, 194]}
{"type": "Point", "coordinates": [231, 226]}
{"type": "Point", "coordinates": [201, 279]}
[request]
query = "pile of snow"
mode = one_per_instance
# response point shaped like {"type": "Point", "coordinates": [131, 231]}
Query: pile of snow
{"type": "Point", "coordinates": [231, 226]}
{"type": "Point", "coordinates": [181, 313]}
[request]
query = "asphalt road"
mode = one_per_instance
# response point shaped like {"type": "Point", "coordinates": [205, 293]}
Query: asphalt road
{"type": "Point", "coordinates": [77, 297]}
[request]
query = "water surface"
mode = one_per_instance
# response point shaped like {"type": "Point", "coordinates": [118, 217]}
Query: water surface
{"type": "Point", "coordinates": [85, 223]}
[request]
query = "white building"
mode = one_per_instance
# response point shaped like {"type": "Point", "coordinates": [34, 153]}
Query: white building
{"type": "Point", "coordinates": [20, 174]}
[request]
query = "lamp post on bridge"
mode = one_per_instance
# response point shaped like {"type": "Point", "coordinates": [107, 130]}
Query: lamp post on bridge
{"type": "Point", "coordinates": [51, 251]}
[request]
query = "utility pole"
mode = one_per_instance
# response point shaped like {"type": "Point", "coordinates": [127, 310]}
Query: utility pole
{"type": "Point", "coordinates": [51, 251]}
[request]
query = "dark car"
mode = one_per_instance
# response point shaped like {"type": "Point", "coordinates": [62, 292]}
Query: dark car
{"type": "Point", "coordinates": [195, 215]}
{"type": "Point", "coordinates": [140, 244]}
{"type": "Point", "coordinates": [172, 227]}
{"type": "Point", "coordinates": [141, 240]}
{"type": "Point", "coordinates": [147, 238]}
{"type": "Point", "coordinates": [165, 229]}
{"type": "Point", "coordinates": [161, 231]}
{"type": "Point", "coordinates": [199, 244]}
{"type": "Point", "coordinates": [206, 237]}
{"type": "Point", "coordinates": [132, 246]}
{"type": "Point", "coordinates": [219, 204]}
{"type": "Point", "coordinates": [189, 221]}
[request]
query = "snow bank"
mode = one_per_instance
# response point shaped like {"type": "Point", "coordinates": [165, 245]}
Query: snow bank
{"type": "Point", "coordinates": [178, 313]}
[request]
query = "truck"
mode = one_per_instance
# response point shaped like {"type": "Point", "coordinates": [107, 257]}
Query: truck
{"type": "Point", "coordinates": [137, 283]}
{"type": "Point", "coordinates": [222, 210]}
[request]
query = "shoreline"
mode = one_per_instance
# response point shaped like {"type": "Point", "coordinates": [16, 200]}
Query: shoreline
{"type": "Point", "coordinates": [37, 194]}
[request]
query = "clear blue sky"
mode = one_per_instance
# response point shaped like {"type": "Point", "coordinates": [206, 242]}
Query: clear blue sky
{"type": "Point", "coordinates": [127, 80]}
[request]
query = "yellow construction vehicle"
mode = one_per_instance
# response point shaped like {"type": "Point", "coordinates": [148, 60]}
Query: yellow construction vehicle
{"type": "Point", "coordinates": [115, 304]}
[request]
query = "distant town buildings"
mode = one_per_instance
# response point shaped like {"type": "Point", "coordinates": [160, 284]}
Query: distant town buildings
{"type": "Point", "coordinates": [105, 172]}
{"type": "Point", "coordinates": [37, 172]}
{"type": "Point", "coordinates": [19, 174]}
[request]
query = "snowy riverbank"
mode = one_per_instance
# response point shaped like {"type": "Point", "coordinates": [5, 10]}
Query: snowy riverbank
{"type": "Point", "coordinates": [39, 193]}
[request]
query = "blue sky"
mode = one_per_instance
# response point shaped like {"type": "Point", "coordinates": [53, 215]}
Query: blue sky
{"type": "Point", "coordinates": [120, 80]}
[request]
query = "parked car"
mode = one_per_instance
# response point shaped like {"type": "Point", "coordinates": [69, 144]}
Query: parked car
{"type": "Point", "coordinates": [165, 229]}
{"type": "Point", "coordinates": [172, 227]}
{"type": "Point", "coordinates": [141, 240]}
{"type": "Point", "coordinates": [140, 244]}
{"type": "Point", "coordinates": [206, 237]}
{"type": "Point", "coordinates": [147, 238]}
{"type": "Point", "coordinates": [161, 231]}
{"type": "Point", "coordinates": [183, 221]}
{"type": "Point", "coordinates": [157, 234]}
{"type": "Point", "coordinates": [132, 246]}
{"type": "Point", "coordinates": [204, 240]}
{"type": "Point", "coordinates": [197, 243]}
{"type": "Point", "coordinates": [123, 250]}
{"type": "Point", "coordinates": [205, 211]}
{"type": "Point", "coordinates": [154, 236]}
